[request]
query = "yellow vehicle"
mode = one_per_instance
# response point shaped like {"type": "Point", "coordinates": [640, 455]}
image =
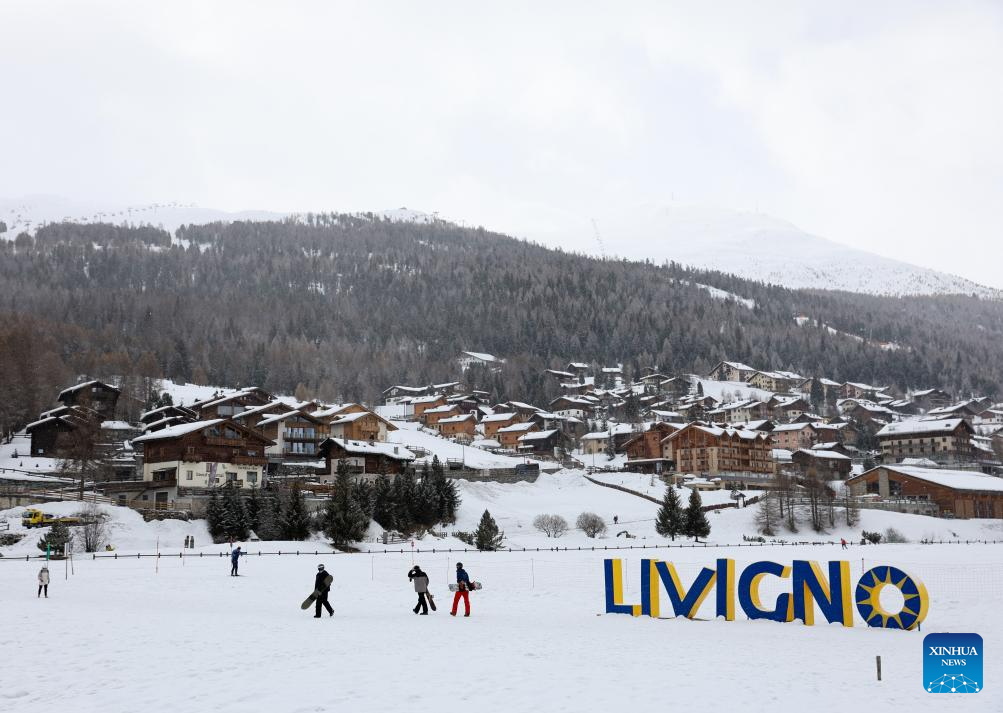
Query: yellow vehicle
{"type": "Point", "coordinates": [33, 517]}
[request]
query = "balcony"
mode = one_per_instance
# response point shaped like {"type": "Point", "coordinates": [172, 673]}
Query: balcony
{"type": "Point", "coordinates": [248, 460]}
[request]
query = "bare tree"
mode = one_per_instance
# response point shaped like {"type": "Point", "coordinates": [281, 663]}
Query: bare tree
{"type": "Point", "coordinates": [94, 532]}
{"type": "Point", "coordinates": [591, 524]}
{"type": "Point", "coordinates": [768, 514]}
{"type": "Point", "coordinates": [552, 525]}
{"type": "Point", "coordinates": [785, 488]}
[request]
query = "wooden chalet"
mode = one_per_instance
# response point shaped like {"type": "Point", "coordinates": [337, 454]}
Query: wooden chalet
{"type": "Point", "coordinates": [364, 458]}
{"type": "Point", "coordinates": [961, 494]}
{"type": "Point", "coordinates": [361, 426]}
{"type": "Point", "coordinates": [491, 424]}
{"type": "Point", "coordinates": [508, 436]}
{"type": "Point", "coordinates": [700, 448]}
{"type": "Point", "coordinates": [97, 396]}
{"type": "Point", "coordinates": [58, 431]}
{"type": "Point", "coordinates": [461, 426]}
{"type": "Point", "coordinates": [644, 450]}
{"type": "Point", "coordinates": [545, 443]}
{"type": "Point", "coordinates": [823, 464]}
{"type": "Point", "coordinates": [232, 404]}
{"type": "Point", "coordinates": [296, 435]}
{"type": "Point", "coordinates": [421, 404]}
{"type": "Point", "coordinates": [731, 371]}
{"type": "Point", "coordinates": [205, 454]}
{"type": "Point", "coordinates": [433, 415]}
{"type": "Point", "coordinates": [944, 441]}
{"type": "Point", "coordinates": [792, 436]}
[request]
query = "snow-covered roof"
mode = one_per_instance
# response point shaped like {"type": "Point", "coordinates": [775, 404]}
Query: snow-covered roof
{"type": "Point", "coordinates": [903, 428]}
{"type": "Point", "coordinates": [390, 450]}
{"type": "Point", "coordinates": [440, 409]}
{"type": "Point", "coordinates": [482, 356]}
{"type": "Point", "coordinates": [578, 365]}
{"type": "Point", "coordinates": [738, 365]}
{"type": "Point", "coordinates": [485, 443]}
{"type": "Point", "coordinates": [457, 419]}
{"type": "Point", "coordinates": [517, 427]}
{"type": "Point", "coordinates": [537, 435]}
{"type": "Point", "coordinates": [829, 455]}
{"type": "Point", "coordinates": [781, 427]}
{"type": "Point", "coordinates": [919, 462]}
{"type": "Point", "coordinates": [781, 454]}
{"type": "Point", "coordinates": [426, 399]}
{"type": "Point", "coordinates": [957, 479]}
{"type": "Point", "coordinates": [116, 425]}
{"type": "Point", "coordinates": [498, 417]}
{"type": "Point", "coordinates": [181, 429]}
{"type": "Point", "coordinates": [93, 382]}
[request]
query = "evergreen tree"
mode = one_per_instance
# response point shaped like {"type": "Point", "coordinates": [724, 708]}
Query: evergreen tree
{"type": "Point", "coordinates": [295, 518]}
{"type": "Point", "coordinates": [253, 507]}
{"type": "Point", "coordinates": [270, 516]}
{"type": "Point", "coordinates": [344, 520]}
{"type": "Point", "coordinates": [696, 523]}
{"type": "Point", "coordinates": [383, 503]}
{"type": "Point", "coordinates": [670, 521]}
{"type": "Point", "coordinates": [55, 539]}
{"type": "Point", "coordinates": [234, 515]}
{"type": "Point", "coordinates": [488, 536]}
{"type": "Point", "coordinates": [214, 517]}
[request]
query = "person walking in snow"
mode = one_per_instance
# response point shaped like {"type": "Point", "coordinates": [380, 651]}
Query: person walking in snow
{"type": "Point", "coordinates": [321, 585]}
{"type": "Point", "coordinates": [235, 561]}
{"type": "Point", "coordinates": [420, 581]}
{"type": "Point", "coordinates": [462, 590]}
{"type": "Point", "coordinates": [616, 519]}
{"type": "Point", "coordinates": [842, 541]}
{"type": "Point", "coordinates": [43, 581]}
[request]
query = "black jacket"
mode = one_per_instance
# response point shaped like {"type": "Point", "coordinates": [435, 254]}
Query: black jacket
{"type": "Point", "coordinates": [319, 583]}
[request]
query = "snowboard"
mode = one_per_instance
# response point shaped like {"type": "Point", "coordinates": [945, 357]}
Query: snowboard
{"type": "Point", "coordinates": [431, 600]}
{"type": "Point", "coordinates": [473, 585]}
{"type": "Point", "coordinates": [316, 593]}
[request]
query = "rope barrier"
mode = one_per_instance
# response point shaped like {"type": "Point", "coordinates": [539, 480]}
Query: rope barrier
{"type": "Point", "coordinates": [509, 550]}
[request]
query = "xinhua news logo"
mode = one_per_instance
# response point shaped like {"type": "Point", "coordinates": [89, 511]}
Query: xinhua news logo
{"type": "Point", "coordinates": [952, 663]}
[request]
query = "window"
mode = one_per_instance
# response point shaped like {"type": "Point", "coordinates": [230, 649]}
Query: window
{"type": "Point", "coordinates": [189, 475]}
{"type": "Point", "coordinates": [251, 477]}
{"type": "Point", "coordinates": [231, 477]}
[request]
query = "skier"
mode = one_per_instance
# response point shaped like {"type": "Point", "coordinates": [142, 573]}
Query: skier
{"type": "Point", "coordinates": [615, 519]}
{"type": "Point", "coordinates": [43, 581]}
{"type": "Point", "coordinates": [234, 561]}
{"type": "Point", "coordinates": [842, 541]}
{"type": "Point", "coordinates": [321, 586]}
{"type": "Point", "coordinates": [420, 581]}
{"type": "Point", "coordinates": [462, 590]}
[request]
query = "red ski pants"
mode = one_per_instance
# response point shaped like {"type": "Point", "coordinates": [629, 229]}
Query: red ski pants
{"type": "Point", "coordinates": [466, 601]}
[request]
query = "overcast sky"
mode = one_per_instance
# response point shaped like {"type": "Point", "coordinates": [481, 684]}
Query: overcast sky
{"type": "Point", "coordinates": [878, 125]}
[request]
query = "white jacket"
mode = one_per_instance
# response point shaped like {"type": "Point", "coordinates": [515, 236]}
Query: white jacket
{"type": "Point", "coordinates": [43, 576]}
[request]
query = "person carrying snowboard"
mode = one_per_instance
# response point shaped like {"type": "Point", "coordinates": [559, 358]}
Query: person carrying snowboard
{"type": "Point", "coordinates": [321, 585]}
{"type": "Point", "coordinates": [462, 590]}
{"type": "Point", "coordinates": [43, 581]}
{"type": "Point", "coordinates": [235, 561]}
{"type": "Point", "coordinates": [420, 581]}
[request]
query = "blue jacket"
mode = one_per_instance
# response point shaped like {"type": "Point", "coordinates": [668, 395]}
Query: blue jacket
{"type": "Point", "coordinates": [462, 576]}
{"type": "Point", "coordinates": [235, 555]}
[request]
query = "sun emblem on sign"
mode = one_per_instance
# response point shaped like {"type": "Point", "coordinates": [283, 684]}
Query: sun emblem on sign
{"type": "Point", "coordinates": [868, 599]}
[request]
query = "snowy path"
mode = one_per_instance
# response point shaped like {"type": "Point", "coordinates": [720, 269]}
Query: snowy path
{"type": "Point", "coordinates": [118, 636]}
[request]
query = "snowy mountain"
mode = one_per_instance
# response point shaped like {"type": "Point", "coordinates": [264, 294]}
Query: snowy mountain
{"type": "Point", "coordinates": [29, 213]}
{"type": "Point", "coordinates": [762, 248]}
{"type": "Point", "coordinates": [749, 245]}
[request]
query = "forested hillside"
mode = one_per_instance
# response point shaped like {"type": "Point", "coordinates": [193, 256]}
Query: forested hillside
{"type": "Point", "coordinates": [343, 306]}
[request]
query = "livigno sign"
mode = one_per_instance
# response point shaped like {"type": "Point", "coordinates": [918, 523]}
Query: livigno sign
{"type": "Point", "coordinates": [809, 586]}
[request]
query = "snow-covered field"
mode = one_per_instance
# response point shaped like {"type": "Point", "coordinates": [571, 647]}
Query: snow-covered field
{"type": "Point", "coordinates": [180, 634]}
